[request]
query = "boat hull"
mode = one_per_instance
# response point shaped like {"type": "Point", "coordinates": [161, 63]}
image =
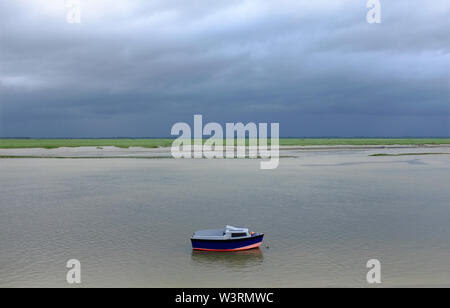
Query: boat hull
{"type": "Point", "coordinates": [228, 245]}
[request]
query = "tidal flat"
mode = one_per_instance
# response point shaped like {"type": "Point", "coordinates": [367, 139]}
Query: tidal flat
{"type": "Point", "coordinates": [324, 212]}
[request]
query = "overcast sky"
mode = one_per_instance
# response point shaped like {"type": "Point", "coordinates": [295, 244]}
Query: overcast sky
{"type": "Point", "coordinates": [134, 68]}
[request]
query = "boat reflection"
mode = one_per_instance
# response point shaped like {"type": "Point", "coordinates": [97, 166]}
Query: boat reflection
{"type": "Point", "coordinates": [250, 257]}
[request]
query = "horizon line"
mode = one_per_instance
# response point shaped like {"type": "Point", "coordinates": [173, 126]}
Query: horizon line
{"type": "Point", "coordinates": [282, 137]}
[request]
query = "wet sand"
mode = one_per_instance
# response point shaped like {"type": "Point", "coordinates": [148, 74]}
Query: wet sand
{"type": "Point", "coordinates": [114, 152]}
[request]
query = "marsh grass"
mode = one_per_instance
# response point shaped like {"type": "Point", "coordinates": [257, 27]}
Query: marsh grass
{"type": "Point", "coordinates": [81, 157]}
{"type": "Point", "coordinates": [408, 154]}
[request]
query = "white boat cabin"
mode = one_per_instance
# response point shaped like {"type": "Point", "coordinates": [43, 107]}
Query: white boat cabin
{"type": "Point", "coordinates": [228, 233]}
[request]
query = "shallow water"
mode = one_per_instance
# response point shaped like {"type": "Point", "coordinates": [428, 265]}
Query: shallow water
{"type": "Point", "coordinates": [324, 213]}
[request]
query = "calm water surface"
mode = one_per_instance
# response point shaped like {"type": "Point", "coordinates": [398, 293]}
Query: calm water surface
{"type": "Point", "coordinates": [129, 221]}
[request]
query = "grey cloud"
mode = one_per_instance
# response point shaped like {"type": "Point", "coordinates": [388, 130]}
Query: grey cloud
{"type": "Point", "coordinates": [135, 67]}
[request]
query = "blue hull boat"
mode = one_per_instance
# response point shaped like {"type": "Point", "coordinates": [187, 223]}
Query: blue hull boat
{"type": "Point", "coordinates": [228, 239]}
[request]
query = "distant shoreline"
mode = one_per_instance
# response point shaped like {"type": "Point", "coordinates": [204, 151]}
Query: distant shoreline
{"type": "Point", "coordinates": [109, 152]}
{"type": "Point", "coordinates": [291, 143]}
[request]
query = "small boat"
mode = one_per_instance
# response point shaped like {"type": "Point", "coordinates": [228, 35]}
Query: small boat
{"type": "Point", "coordinates": [228, 239]}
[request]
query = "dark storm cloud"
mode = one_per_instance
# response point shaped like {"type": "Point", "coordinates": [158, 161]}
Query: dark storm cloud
{"type": "Point", "coordinates": [133, 68]}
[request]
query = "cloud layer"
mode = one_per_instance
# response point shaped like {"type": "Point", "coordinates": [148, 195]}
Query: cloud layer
{"type": "Point", "coordinates": [134, 68]}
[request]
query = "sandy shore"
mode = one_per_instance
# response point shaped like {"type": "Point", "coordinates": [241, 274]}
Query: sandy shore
{"type": "Point", "coordinates": [114, 152]}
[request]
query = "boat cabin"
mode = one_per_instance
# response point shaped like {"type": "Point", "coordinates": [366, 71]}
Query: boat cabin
{"type": "Point", "coordinates": [229, 232]}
